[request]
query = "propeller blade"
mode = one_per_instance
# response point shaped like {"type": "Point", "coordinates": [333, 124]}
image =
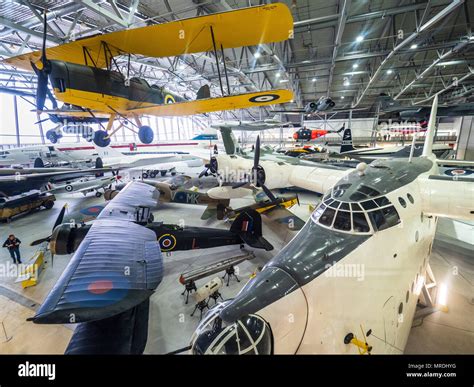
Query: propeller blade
{"type": "Point", "coordinates": [269, 193]}
{"type": "Point", "coordinates": [298, 199]}
{"type": "Point", "coordinates": [41, 89]}
{"type": "Point", "coordinates": [43, 48]}
{"type": "Point", "coordinates": [256, 154]}
{"type": "Point", "coordinates": [203, 173]}
{"type": "Point", "coordinates": [39, 241]}
{"type": "Point", "coordinates": [60, 217]}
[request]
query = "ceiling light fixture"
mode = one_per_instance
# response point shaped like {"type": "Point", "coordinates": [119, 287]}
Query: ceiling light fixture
{"type": "Point", "coordinates": [414, 46]}
{"type": "Point", "coordinates": [359, 39]}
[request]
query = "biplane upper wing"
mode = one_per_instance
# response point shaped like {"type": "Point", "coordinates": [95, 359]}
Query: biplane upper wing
{"type": "Point", "coordinates": [115, 268]}
{"type": "Point", "coordinates": [207, 105]}
{"type": "Point", "coordinates": [255, 25]}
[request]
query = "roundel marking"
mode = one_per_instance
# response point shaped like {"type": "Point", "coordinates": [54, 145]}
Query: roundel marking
{"type": "Point", "coordinates": [100, 286]}
{"type": "Point", "coordinates": [169, 99]}
{"type": "Point", "coordinates": [68, 188]}
{"type": "Point", "coordinates": [167, 242]}
{"type": "Point", "coordinates": [264, 98]}
{"type": "Point", "coordinates": [458, 172]}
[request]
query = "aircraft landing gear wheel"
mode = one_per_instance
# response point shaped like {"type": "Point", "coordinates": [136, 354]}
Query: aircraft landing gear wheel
{"type": "Point", "coordinates": [100, 138]}
{"type": "Point", "coordinates": [173, 173]}
{"type": "Point", "coordinates": [98, 194]}
{"type": "Point", "coordinates": [163, 173]}
{"type": "Point", "coordinates": [52, 136]}
{"type": "Point", "coordinates": [152, 175]}
{"type": "Point", "coordinates": [145, 175]}
{"type": "Point", "coordinates": [145, 134]}
{"type": "Point", "coordinates": [48, 204]}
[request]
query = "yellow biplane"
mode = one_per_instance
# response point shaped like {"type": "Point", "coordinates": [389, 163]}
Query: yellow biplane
{"type": "Point", "coordinates": [82, 76]}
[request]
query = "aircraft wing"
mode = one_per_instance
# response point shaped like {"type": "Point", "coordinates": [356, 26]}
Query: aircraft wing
{"type": "Point", "coordinates": [255, 25]}
{"type": "Point", "coordinates": [117, 266]}
{"type": "Point", "coordinates": [207, 105]}
{"type": "Point", "coordinates": [75, 113]}
{"type": "Point", "coordinates": [284, 216]}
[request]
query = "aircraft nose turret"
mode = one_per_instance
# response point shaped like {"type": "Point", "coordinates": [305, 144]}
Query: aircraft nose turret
{"type": "Point", "coordinates": [272, 305]}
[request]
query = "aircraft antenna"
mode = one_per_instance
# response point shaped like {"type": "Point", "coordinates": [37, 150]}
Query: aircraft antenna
{"type": "Point", "coordinates": [412, 149]}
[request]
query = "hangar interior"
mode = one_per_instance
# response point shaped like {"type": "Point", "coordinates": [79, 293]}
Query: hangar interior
{"type": "Point", "coordinates": [371, 82]}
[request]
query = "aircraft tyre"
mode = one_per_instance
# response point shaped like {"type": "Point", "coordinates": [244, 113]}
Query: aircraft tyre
{"type": "Point", "coordinates": [145, 134]}
{"type": "Point", "coordinates": [100, 138]}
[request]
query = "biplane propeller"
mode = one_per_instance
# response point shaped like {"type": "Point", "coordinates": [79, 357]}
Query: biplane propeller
{"type": "Point", "coordinates": [84, 73]}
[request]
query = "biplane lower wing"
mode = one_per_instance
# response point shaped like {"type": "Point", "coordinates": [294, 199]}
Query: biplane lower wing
{"type": "Point", "coordinates": [208, 105]}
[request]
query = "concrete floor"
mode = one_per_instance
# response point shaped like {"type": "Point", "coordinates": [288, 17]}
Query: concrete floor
{"type": "Point", "coordinates": [170, 323]}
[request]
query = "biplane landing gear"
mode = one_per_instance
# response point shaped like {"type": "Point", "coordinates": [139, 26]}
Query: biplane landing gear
{"type": "Point", "coordinates": [145, 134]}
{"type": "Point", "coordinates": [53, 136]}
{"type": "Point", "coordinates": [101, 138]}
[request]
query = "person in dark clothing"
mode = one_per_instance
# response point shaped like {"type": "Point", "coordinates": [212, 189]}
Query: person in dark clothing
{"type": "Point", "coordinates": [13, 246]}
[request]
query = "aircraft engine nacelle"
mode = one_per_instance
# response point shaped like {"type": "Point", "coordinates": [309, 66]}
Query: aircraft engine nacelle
{"type": "Point", "coordinates": [66, 238]}
{"type": "Point", "coordinates": [109, 194]}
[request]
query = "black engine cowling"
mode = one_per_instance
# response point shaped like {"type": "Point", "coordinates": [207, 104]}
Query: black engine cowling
{"type": "Point", "coordinates": [66, 238]}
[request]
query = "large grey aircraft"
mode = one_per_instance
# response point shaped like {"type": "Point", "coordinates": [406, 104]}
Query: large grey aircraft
{"type": "Point", "coordinates": [395, 110]}
{"type": "Point", "coordinates": [342, 285]}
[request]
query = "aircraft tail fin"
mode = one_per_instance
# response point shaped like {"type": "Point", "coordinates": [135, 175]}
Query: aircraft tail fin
{"type": "Point", "coordinates": [38, 163]}
{"type": "Point", "coordinates": [248, 225]}
{"type": "Point", "coordinates": [347, 144]}
{"type": "Point", "coordinates": [208, 134]}
{"type": "Point", "coordinates": [430, 133]}
{"type": "Point", "coordinates": [204, 92]}
{"type": "Point", "coordinates": [230, 142]}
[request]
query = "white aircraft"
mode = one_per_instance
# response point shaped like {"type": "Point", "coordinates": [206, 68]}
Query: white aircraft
{"type": "Point", "coordinates": [78, 153]}
{"type": "Point", "coordinates": [84, 185]}
{"type": "Point", "coordinates": [349, 281]}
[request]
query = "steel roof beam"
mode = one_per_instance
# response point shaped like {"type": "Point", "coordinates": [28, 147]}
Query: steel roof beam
{"type": "Point", "coordinates": [435, 19]}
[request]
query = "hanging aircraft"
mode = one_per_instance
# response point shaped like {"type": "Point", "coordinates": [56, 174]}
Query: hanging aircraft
{"type": "Point", "coordinates": [268, 123]}
{"type": "Point", "coordinates": [391, 108]}
{"type": "Point", "coordinates": [323, 105]}
{"type": "Point", "coordinates": [84, 73]}
{"type": "Point", "coordinates": [308, 134]}
{"type": "Point", "coordinates": [341, 285]}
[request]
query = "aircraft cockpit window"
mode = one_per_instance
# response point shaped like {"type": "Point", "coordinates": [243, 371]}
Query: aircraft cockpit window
{"type": "Point", "coordinates": [343, 221]}
{"type": "Point", "coordinates": [384, 218]}
{"type": "Point", "coordinates": [250, 335]}
{"type": "Point", "coordinates": [356, 207]}
{"type": "Point", "coordinates": [368, 205]}
{"type": "Point", "coordinates": [382, 202]}
{"type": "Point", "coordinates": [364, 192]}
{"type": "Point", "coordinates": [4, 153]}
{"type": "Point", "coordinates": [344, 206]}
{"type": "Point", "coordinates": [360, 222]}
{"type": "Point", "coordinates": [327, 217]}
